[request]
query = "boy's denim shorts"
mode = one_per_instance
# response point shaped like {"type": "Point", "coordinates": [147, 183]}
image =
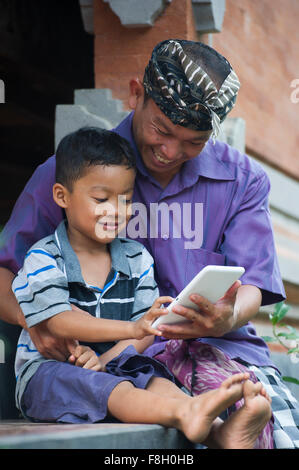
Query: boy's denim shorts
{"type": "Point", "coordinates": [61, 392]}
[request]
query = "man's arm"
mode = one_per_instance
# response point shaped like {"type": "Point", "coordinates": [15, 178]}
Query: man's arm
{"type": "Point", "coordinates": [251, 222]}
{"type": "Point", "coordinates": [34, 216]}
{"type": "Point", "coordinates": [239, 305]}
{"type": "Point", "coordinates": [10, 311]}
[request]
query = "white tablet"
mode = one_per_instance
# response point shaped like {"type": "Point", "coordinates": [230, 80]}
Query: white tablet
{"type": "Point", "coordinates": [211, 282]}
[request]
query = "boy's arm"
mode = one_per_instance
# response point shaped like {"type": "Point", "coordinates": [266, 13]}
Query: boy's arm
{"type": "Point", "coordinates": [146, 293]}
{"type": "Point", "coordinates": [42, 291]}
{"type": "Point", "coordinates": [139, 344]}
{"type": "Point", "coordinates": [76, 324]}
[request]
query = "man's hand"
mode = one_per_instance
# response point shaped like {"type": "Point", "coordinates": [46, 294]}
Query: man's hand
{"type": "Point", "coordinates": [211, 319]}
{"type": "Point", "coordinates": [48, 345]}
{"type": "Point", "coordinates": [85, 357]}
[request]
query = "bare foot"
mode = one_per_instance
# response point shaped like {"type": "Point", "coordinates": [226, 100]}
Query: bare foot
{"type": "Point", "coordinates": [243, 427]}
{"type": "Point", "coordinates": [196, 416]}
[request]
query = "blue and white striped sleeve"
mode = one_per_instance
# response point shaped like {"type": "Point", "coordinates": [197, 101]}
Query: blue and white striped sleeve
{"type": "Point", "coordinates": [41, 288]}
{"type": "Point", "coordinates": [146, 291]}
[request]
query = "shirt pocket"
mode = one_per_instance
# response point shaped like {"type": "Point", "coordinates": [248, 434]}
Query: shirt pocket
{"type": "Point", "coordinates": [198, 259]}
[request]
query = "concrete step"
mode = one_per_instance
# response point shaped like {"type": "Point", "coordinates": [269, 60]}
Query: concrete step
{"type": "Point", "coordinates": [20, 434]}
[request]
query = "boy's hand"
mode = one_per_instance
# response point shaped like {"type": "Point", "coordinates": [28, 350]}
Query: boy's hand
{"type": "Point", "coordinates": [84, 356]}
{"type": "Point", "coordinates": [143, 326]}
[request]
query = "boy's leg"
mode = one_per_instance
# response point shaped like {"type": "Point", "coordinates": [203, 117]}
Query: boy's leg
{"type": "Point", "coordinates": [61, 392]}
{"type": "Point", "coordinates": [163, 403]}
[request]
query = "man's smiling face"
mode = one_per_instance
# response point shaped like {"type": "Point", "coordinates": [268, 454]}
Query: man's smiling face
{"type": "Point", "coordinates": [164, 146]}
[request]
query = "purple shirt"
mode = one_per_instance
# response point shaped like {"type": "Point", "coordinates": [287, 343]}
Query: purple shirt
{"type": "Point", "coordinates": [230, 194]}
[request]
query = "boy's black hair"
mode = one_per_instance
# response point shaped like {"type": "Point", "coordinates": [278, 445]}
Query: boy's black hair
{"type": "Point", "coordinates": [90, 146]}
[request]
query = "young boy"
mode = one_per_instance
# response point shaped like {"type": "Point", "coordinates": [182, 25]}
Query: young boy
{"type": "Point", "coordinates": [85, 266]}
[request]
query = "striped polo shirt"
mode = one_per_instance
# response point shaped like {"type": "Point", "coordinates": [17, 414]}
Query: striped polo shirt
{"type": "Point", "coordinates": [51, 280]}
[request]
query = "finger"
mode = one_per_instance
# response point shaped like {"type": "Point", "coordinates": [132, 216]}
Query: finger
{"type": "Point", "coordinates": [232, 291]}
{"type": "Point", "coordinates": [154, 313]}
{"type": "Point", "coordinates": [78, 351]}
{"type": "Point", "coordinates": [81, 360]}
{"type": "Point", "coordinates": [153, 331]}
{"type": "Point", "coordinates": [162, 300]}
{"type": "Point", "coordinates": [71, 359]}
{"type": "Point", "coordinates": [56, 354]}
{"type": "Point", "coordinates": [91, 362]}
{"type": "Point", "coordinates": [188, 313]}
{"type": "Point", "coordinates": [48, 346]}
{"type": "Point", "coordinates": [51, 348]}
{"type": "Point", "coordinates": [71, 345]}
{"type": "Point", "coordinates": [202, 304]}
{"type": "Point", "coordinates": [179, 331]}
{"type": "Point", "coordinates": [150, 317]}
{"type": "Point", "coordinates": [99, 368]}
{"type": "Point", "coordinates": [206, 307]}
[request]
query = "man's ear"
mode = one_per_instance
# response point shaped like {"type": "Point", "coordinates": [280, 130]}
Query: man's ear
{"type": "Point", "coordinates": [60, 195]}
{"type": "Point", "coordinates": [136, 92]}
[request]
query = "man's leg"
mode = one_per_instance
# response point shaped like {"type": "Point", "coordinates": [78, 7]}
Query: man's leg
{"type": "Point", "coordinates": [200, 367]}
{"type": "Point", "coordinates": [285, 408]}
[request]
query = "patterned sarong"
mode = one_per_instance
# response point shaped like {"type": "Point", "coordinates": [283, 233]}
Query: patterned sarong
{"type": "Point", "coordinates": [200, 367]}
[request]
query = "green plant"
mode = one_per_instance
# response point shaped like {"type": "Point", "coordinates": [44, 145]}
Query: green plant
{"type": "Point", "coordinates": [288, 338]}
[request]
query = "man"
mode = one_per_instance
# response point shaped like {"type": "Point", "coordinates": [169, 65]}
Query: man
{"type": "Point", "coordinates": [187, 91]}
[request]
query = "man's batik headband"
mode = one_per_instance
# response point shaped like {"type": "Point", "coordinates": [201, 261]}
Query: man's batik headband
{"type": "Point", "coordinates": [184, 91]}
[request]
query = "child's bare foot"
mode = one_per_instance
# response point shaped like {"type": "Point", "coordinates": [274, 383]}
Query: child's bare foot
{"type": "Point", "coordinates": [243, 427]}
{"type": "Point", "coordinates": [196, 416]}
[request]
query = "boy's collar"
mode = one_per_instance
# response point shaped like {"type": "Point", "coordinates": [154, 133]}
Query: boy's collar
{"type": "Point", "coordinates": [72, 266]}
{"type": "Point", "coordinates": [119, 260]}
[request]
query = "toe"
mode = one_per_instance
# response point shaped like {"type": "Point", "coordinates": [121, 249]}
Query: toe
{"type": "Point", "coordinates": [250, 389]}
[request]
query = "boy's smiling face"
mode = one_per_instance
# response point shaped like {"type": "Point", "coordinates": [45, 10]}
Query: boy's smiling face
{"type": "Point", "coordinates": [99, 205]}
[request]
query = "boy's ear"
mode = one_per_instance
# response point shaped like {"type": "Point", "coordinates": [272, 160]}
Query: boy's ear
{"type": "Point", "coordinates": [136, 92]}
{"type": "Point", "coordinates": [60, 195]}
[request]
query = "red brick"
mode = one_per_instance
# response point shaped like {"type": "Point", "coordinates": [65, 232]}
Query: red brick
{"type": "Point", "coordinates": [261, 41]}
{"type": "Point", "coordinates": [124, 52]}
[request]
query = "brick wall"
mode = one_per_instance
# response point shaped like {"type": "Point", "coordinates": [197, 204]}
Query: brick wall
{"type": "Point", "coordinates": [121, 53]}
{"type": "Point", "coordinates": [261, 39]}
